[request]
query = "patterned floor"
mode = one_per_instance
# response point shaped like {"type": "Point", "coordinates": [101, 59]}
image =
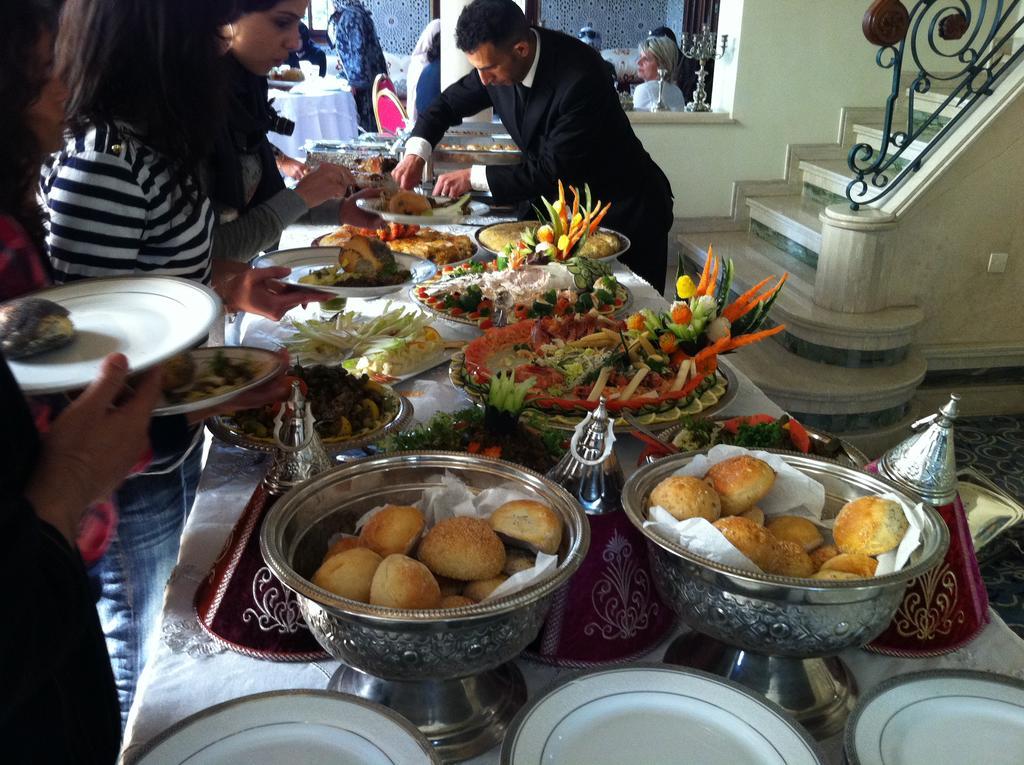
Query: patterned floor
{"type": "Point", "coordinates": [994, 446]}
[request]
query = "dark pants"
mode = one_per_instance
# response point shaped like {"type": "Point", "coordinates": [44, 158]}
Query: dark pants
{"type": "Point", "coordinates": [648, 257]}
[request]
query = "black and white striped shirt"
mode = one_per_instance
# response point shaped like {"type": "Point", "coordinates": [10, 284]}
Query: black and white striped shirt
{"type": "Point", "coordinates": [117, 207]}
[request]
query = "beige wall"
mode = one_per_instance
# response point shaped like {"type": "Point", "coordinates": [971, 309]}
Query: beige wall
{"type": "Point", "coordinates": [791, 66]}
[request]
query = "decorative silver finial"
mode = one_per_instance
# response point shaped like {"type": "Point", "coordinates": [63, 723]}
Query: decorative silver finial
{"type": "Point", "coordinates": [300, 453]}
{"type": "Point", "coordinates": [925, 464]}
{"type": "Point", "coordinates": [590, 470]}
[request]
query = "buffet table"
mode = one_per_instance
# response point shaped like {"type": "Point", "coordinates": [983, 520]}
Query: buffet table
{"type": "Point", "coordinates": [188, 671]}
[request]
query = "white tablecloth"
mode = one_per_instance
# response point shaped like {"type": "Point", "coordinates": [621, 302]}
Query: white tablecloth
{"type": "Point", "coordinates": [320, 108]}
{"type": "Point", "coordinates": [188, 672]}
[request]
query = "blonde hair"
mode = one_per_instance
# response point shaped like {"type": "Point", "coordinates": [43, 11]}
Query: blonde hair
{"type": "Point", "coordinates": [663, 51]}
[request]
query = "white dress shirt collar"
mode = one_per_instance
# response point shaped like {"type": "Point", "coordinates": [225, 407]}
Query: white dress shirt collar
{"type": "Point", "coordinates": [530, 75]}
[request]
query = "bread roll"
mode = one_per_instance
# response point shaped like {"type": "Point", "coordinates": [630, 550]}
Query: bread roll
{"type": "Point", "coordinates": [870, 526]}
{"type": "Point", "coordinates": [754, 514]}
{"type": "Point", "coordinates": [750, 539]}
{"type": "Point", "coordinates": [791, 560]}
{"type": "Point", "coordinates": [832, 574]}
{"type": "Point", "coordinates": [686, 497]}
{"type": "Point", "coordinates": [456, 601]}
{"type": "Point", "coordinates": [822, 554]}
{"type": "Point", "coordinates": [530, 524]}
{"type": "Point", "coordinates": [401, 582]}
{"type": "Point", "coordinates": [741, 482]}
{"type": "Point", "coordinates": [395, 529]}
{"type": "Point", "coordinates": [349, 573]}
{"type": "Point", "coordinates": [463, 548]}
{"type": "Point", "coordinates": [481, 589]}
{"type": "Point", "coordinates": [449, 586]}
{"type": "Point", "coordinates": [793, 528]}
{"type": "Point", "coordinates": [518, 560]}
{"type": "Point", "coordinates": [341, 544]}
{"type": "Point", "coordinates": [852, 563]}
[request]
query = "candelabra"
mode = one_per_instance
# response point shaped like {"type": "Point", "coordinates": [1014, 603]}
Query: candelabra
{"type": "Point", "coordinates": [702, 46]}
{"type": "Point", "coordinates": [660, 105]}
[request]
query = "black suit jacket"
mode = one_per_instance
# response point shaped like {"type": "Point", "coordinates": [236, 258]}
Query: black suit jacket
{"type": "Point", "coordinates": [573, 129]}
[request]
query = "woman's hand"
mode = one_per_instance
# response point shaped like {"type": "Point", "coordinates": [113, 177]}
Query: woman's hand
{"type": "Point", "coordinates": [276, 389]}
{"type": "Point", "coordinates": [326, 182]}
{"type": "Point", "coordinates": [353, 215]}
{"type": "Point", "coordinates": [259, 291]}
{"type": "Point", "coordinates": [291, 167]}
{"type": "Point", "coordinates": [92, 445]}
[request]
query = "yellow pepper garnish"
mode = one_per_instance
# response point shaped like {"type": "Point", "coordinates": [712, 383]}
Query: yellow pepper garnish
{"type": "Point", "coordinates": [563, 243]}
{"type": "Point", "coordinates": [558, 205]}
{"type": "Point", "coordinates": [546, 234]}
{"type": "Point", "coordinates": [685, 288]}
{"type": "Point", "coordinates": [577, 219]}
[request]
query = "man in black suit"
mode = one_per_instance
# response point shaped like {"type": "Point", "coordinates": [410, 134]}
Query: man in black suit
{"type": "Point", "coordinates": [552, 95]}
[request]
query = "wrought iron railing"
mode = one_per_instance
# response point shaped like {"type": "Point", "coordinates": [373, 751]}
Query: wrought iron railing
{"type": "Point", "coordinates": [972, 37]}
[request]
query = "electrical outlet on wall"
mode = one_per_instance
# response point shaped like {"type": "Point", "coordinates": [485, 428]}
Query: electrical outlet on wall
{"type": "Point", "coordinates": [997, 262]}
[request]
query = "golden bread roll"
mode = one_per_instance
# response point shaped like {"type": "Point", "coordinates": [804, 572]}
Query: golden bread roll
{"type": "Point", "coordinates": [750, 539]}
{"type": "Point", "coordinates": [793, 528]}
{"type": "Point", "coordinates": [741, 482]}
{"type": "Point", "coordinates": [791, 560]}
{"type": "Point", "coordinates": [852, 563]}
{"type": "Point", "coordinates": [463, 548]}
{"type": "Point", "coordinates": [870, 526]}
{"type": "Point", "coordinates": [349, 573]}
{"type": "Point", "coordinates": [341, 544]}
{"type": "Point", "coordinates": [754, 514]}
{"type": "Point", "coordinates": [832, 574]}
{"type": "Point", "coordinates": [518, 560]}
{"type": "Point", "coordinates": [528, 524]}
{"type": "Point", "coordinates": [822, 554]}
{"type": "Point", "coordinates": [401, 582]}
{"type": "Point", "coordinates": [456, 601]}
{"type": "Point", "coordinates": [686, 497]}
{"type": "Point", "coordinates": [395, 529]}
{"type": "Point", "coordinates": [481, 589]}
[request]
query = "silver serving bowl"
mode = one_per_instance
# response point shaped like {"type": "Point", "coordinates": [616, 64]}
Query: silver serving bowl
{"type": "Point", "coordinates": [447, 670]}
{"type": "Point", "coordinates": [768, 631]}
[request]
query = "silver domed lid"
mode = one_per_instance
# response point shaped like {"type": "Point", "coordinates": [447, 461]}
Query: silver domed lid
{"type": "Point", "coordinates": [925, 464]}
{"type": "Point", "coordinates": [590, 470]}
{"type": "Point", "coordinates": [300, 454]}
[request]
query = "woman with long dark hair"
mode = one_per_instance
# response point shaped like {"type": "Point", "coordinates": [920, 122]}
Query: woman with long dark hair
{"type": "Point", "coordinates": [60, 702]}
{"type": "Point", "coordinates": [124, 196]}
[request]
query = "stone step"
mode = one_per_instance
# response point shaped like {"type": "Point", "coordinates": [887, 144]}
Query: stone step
{"type": "Point", "coordinates": [873, 137]}
{"type": "Point", "coordinates": [791, 223]}
{"type": "Point", "coordinates": [837, 399]}
{"type": "Point", "coordinates": [870, 334]}
{"type": "Point", "coordinates": [830, 175]}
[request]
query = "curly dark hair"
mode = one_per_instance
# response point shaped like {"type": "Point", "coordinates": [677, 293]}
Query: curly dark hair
{"type": "Point", "coordinates": [499, 22]}
{"type": "Point", "coordinates": [22, 24]}
{"type": "Point", "coordinates": [434, 51]}
{"type": "Point", "coordinates": [154, 64]}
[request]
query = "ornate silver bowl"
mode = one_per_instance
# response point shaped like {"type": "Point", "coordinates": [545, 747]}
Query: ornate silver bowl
{"type": "Point", "coordinates": [447, 670]}
{"type": "Point", "coordinates": [779, 635]}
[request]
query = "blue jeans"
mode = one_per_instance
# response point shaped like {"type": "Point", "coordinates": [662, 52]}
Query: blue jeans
{"type": "Point", "coordinates": [134, 572]}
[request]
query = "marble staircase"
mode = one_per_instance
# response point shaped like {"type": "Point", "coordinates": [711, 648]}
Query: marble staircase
{"type": "Point", "coordinates": [846, 361]}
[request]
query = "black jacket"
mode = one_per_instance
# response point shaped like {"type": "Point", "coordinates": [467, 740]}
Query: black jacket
{"type": "Point", "coordinates": [574, 129]}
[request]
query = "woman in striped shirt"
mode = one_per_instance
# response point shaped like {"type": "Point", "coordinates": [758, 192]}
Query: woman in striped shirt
{"type": "Point", "coordinates": [123, 197]}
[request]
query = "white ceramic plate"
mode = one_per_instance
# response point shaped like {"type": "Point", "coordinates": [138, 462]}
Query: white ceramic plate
{"type": "Point", "coordinates": [304, 260]}
{"type": "Point", "coordinates": [147, 318]}
{"type": "Point", "coordinates": [939, 717]}
{"type": "Point", "coordinates": [441, 215]}
{"type": "Point", "coordinates": [655, 714]}
{"type": "Point", "coordinates": [265, 365]}
{"type": "Point", "coordinates": [290, 727]}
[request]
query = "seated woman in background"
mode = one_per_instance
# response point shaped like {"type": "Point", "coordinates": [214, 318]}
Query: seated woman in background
{"type": "Point", "coordinates": [241, 178]}
{"type": "Point", "coordinates": [417, 61]}
{"type": "Point", "coordinates": [308, 51]}
{"type": "Point", "coordinates": [658, 53]}
{"type": "Point", "coordinates": [428, 85]}
{"type": "Point", "coordinates": [123, 198]}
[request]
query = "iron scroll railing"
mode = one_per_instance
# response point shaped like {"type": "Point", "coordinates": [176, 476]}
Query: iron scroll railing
{"type": "Point", "coordinates": [972, 37]}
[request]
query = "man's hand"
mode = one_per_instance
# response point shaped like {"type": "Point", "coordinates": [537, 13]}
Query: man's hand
{"type": "Point", "coordinates": [453, 184]}
{"type": "Point", "coordinates": [258, 291]}
{"type": "Point", "coordinates": [409, 172]}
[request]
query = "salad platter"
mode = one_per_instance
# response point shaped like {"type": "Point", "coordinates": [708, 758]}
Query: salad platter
{"type": "Point", "coordinates": [468, 294]}
{"type": "Point", "coordinates": [351, 411]}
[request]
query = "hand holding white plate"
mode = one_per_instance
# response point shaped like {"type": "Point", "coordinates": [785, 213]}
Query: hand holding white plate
{"type": "Point", "coordinates": [147, 318]}
{"type": "Point", "coordinates": [245, 369]}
